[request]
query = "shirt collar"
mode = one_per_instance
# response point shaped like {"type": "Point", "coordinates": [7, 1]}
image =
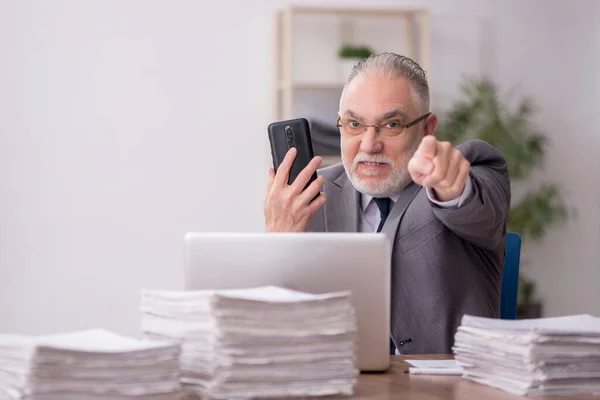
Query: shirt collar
{"type": "Point", "coordinates": [366, 199]}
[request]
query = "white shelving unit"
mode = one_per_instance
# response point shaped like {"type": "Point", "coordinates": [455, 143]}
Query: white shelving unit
{"type": "Point", "coordinates": [415, 40]}
{"type": "Point", "coordinates": [407, 29]}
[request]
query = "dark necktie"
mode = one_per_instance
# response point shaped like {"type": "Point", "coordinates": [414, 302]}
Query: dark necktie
{"type": "Point", "coordinates": [383, 203]}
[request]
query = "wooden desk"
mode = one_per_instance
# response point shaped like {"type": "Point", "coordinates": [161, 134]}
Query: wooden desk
{"type": "Point", "coordinates": [395, 384]}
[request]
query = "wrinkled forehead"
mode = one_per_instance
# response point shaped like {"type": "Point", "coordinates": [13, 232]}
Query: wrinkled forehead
{"type": "Point", "coordinates": [375, 97]}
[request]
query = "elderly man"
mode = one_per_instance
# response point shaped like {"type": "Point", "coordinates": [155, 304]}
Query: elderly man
{"type": "Point", "coordinates": [445, 208]}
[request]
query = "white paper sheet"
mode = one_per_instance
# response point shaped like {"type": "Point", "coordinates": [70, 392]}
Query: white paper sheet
{"type": "Point", "coordinates": [434, 367]}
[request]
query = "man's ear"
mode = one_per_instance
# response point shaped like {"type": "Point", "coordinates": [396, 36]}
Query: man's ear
{"type": "Point", "coordinates": [431, 124]}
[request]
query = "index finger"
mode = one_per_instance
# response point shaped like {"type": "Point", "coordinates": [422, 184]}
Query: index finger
{"type": "Point", "coordinates": [283, 172]}
{"type": "Point", "coordinates": [428, 147]}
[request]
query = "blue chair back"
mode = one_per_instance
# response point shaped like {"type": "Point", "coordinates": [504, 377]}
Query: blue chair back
{"type": "Point", "coordinates": [510, 280]}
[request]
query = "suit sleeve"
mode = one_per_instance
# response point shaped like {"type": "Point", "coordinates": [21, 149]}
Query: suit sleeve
{"type": "Point", "coordinates": [457, 202]}
{"type": "Point", "coordinates": [483, 217]}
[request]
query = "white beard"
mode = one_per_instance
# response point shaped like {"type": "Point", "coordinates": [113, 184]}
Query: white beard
{"type": "Point", "coordinates": [391, 185]}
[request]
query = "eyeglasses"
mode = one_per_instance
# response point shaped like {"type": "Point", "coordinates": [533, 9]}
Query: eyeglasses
{"type": "Point", "coordinates": [389, 128]}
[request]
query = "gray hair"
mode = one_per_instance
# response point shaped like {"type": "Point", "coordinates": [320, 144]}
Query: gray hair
{"type": "Point", "coordinates": [394, 66]}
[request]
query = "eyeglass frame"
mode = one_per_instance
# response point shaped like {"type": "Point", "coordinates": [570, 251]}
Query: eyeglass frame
{"type": "Point", "coordinates": [378, 126]}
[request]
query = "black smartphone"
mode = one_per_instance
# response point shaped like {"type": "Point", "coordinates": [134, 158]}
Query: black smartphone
{"type": "Point", "coordinates": [284, 135]}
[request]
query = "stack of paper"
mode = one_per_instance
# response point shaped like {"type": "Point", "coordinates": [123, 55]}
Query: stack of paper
{"type": "Point", "coordinates": [259, 342]}
{"type": "Point", "coordinates": [537, 357]}
{"type": "Point", "coordinates": [92, 364]}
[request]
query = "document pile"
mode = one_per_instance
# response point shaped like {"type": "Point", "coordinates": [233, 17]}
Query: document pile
{"type": "Point", "coordinates": [258, 342]}
{"type": "Point", "coordinates": [537, 357]}
{"type": "Point", "coordinates": [91, 364]}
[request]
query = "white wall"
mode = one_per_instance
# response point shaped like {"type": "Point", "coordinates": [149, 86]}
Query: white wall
{"type": "Point", "coordinates": [549, 48]}
{"type": "Point", "coordinates": [125, 124]}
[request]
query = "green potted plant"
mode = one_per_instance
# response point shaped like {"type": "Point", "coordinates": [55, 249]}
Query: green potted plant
{"type": "Point", "coordinates": [349, 56]}
{"type": "Point", "coordinates": [507, 124]}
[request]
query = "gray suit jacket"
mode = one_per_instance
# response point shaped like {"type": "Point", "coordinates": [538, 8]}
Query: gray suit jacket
{"type": "Point", "coordinates": [445, 262]}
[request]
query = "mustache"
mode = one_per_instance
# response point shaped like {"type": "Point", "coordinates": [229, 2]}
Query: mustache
{"type": "Point", "coordinates": [376, 158]}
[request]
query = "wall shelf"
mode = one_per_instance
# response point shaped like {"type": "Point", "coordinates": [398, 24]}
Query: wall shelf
{"type": "Point", "coordinates": [355, 11]}
{"type": "Point", "coordinates": [307, 68]}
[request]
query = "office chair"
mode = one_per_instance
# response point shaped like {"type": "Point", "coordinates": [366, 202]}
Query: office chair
{"type": "Point", "coordinates": [510, 280]}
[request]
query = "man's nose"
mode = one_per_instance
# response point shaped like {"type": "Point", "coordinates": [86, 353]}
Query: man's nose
{"type": "Point", "coordinates": [371, 142]}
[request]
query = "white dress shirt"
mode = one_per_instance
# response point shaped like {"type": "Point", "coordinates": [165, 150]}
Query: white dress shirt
{"type": "Point", "coordinates": [370, 215]}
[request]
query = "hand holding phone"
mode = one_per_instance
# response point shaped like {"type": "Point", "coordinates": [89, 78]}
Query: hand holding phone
{"type": "Point", "coordinates": [285, 135]}
{"type": "Point", "coordinates": [293, 193]}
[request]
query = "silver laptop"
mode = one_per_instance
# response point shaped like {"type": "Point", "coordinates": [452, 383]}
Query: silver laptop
{"type": "Point", "coordinates": [309, 262]}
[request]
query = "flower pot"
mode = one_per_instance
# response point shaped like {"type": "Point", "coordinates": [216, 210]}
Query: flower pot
{"type": "Point", "coordinates": [346, 65]}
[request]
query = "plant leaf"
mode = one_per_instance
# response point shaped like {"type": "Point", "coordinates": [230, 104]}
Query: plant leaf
{"type": "Point", "coordinates": [539, 210]}
{"type": "Point", "coordinates": [481, 113]}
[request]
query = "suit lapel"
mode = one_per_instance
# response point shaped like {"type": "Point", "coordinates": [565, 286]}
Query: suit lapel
{"type": "Point", "coordinates": [342, 215]}
{"type": "Point", "coordinates": [343, 211]}
{"type": "Point", "coordinates": [391, 223]}
{"type": "Point", "coordinates": [390, 228]}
